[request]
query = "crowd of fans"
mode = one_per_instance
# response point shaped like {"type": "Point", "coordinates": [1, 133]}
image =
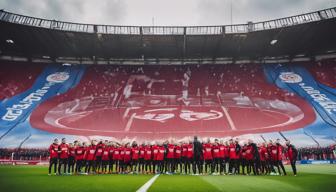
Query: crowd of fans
{"type": "Point", "coordinates": [316, 153]}
{"type": "Point", "coordinates": [24, 153]}
{"type": "Point", "coordinates": [324, 71]}
{"type": "Point", "coordinates": [24, 78]}
{"type": "Point", "coordinates": [172, 80]}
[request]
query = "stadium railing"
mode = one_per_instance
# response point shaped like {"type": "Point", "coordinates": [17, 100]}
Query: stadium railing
{"type": "Point", "coordinates": [169, 30]}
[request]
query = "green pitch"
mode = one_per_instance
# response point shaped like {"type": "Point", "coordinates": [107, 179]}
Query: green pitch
{"type": "Point", "coordinates": [31, 178]}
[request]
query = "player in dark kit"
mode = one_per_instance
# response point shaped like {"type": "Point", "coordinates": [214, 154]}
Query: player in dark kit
{"type": "Point", "coordinates": [53, 155]}
{"type": "Point", "coordinates": [63, 150]}
{"type": "Point", "coordinates": [292, 155]}
{"type": "Point", "coordinates": [198, 155]}
{"type": "Point", "coordinates": [255, 161]}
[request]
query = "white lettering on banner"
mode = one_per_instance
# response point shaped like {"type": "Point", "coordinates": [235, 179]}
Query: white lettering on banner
{"type": "Point", "coordinates": [155, 117]}
{"type": "Point", "coordinates": [188, 115]}
{"type": "Point", "coordinates": [326, 103]}
{"type": "Point", "coordinates": [194, 116]}
{"type": "Point", "coordinates": [16, 110]}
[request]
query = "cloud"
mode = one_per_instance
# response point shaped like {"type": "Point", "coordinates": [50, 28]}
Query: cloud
{"type": "Point", "coordinates": [81, 11]}
{"type": "Point", "coordinates": [164, 12]}
{"type": "Point", "coordinates": [219, 11]}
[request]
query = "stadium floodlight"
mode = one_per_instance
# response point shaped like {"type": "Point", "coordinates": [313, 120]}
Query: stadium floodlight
{"type": "Point", "coordinates": [274, 41]}
{"type": "Point", "coordinates": [10, 41]}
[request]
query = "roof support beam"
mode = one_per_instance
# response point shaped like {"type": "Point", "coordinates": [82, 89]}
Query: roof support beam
{"type": "Point", "coordinates": [184, 42]}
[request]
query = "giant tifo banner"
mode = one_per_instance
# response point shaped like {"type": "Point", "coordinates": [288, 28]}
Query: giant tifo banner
{"type": "Point", "coordinates": [146, 103]}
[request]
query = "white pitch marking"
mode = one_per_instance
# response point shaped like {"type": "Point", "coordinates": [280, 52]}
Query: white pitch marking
{"type": "Point", "coordinates": [129, 122]}
{"type": "Point", "coordinates": [232, 125]}
{"type": "Point", "coordinates": [128, 110]}
{"type": "Point", "coordinates": [228, 117]}
{"type": "Point", "coordinates": [70, 110]}
{"type": "Point", "coordinates": [115, 98]}
{"type": "Point", "coordinates": [146, 186]}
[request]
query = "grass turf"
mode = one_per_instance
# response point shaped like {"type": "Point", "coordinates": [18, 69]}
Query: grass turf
{"type": "Point", "coordinates": [32, 178]}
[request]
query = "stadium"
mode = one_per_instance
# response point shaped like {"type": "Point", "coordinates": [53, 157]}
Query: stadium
{"type": "Point", "coordinates": [243, 88]}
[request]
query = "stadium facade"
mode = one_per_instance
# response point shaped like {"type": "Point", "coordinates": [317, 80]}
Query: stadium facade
{"type": "Point", "coordinates": [263, 80]}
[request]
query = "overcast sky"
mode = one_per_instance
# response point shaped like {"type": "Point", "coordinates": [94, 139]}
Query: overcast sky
{"type": "Point", "coordinates": [164, 12]}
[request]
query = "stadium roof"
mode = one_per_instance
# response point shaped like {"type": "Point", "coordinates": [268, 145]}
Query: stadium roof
{"type": "Point", "coordinates": [306, 35]}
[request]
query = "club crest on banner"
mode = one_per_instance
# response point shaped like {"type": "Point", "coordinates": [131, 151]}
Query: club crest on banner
{"type": "Point", "coordinates": [58, 77]}
{"type": "Point", "coordinates": [290, 77]}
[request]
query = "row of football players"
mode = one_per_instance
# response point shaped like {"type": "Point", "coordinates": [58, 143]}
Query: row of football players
{"type": "Point", "coordinates": [216, 158]}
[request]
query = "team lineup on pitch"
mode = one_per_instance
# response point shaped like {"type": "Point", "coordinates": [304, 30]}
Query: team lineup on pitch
{"type": "Point", "coordinates": [196, 158]}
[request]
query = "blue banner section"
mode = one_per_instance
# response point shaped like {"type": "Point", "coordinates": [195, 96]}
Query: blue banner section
{"type": "Point", "coordinates": [328, 89]}
{"type": "Point", "coordinates": [297, 79]}
{"type": "Point", "coordinates": [317, 162]}
{"type": "Point", "coordinates": [55, 79]}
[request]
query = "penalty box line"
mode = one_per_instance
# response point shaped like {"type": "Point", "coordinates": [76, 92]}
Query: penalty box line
{"type": "Point", "coordinates": [147, 185]}
{"type": "Point", "coordinates": [228, 117]}
{"type": "Point", "coordinates": [227, 114]}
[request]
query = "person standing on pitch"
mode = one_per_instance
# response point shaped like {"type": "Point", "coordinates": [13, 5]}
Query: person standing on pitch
{"type": "Point", "coordinates": [53, 156]}
{"type": "Point", "coordinates": [256, 157]}
{"type": "Point", "coordinates": [279, 152]}
{"type": "Point", "coordinates": [292, 155]}
{"type": "Point", "coordinates": [63, 150]}
{"type": "Point", "coordinates": [198, 153]}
